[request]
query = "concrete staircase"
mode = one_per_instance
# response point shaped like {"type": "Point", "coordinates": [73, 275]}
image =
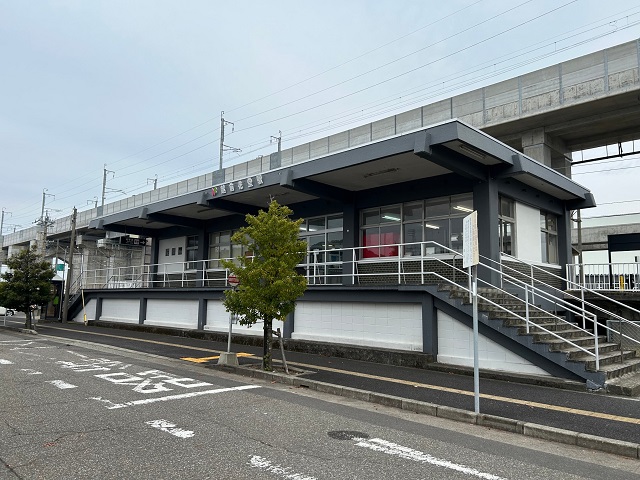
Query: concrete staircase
{"type": "Point", "coordinates": [619, 370]}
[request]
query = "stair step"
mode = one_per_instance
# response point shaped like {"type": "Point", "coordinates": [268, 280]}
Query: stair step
{"type": "Point", "coordinates": [568, 334]}
{"type": "Point", "coordinates": [627, 384]}
{"type": "Point", "coordinates": [557, 345]}
{"type": "Point", "coordinates": [538, 325]}
{"type": "Point", "coordinates": [610, 363]}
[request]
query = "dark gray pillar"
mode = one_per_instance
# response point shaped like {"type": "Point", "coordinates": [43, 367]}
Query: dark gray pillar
{"type": "Point", "coordinates": [142, 312]}
{"type": "Point", "coordinates": [98, 308]}
{"type": "Point", "coordinates": [351, 239]}
{"type": "Point", "coordinates": [429, 327]}
{"type": "Point", "coordinates": [155, 255]}
{"type": "Point", "coordinates": [289, 325]}
{"type": "Point", "coordinates": [203, 254]}
{"type": "Point", "coordinates": [202, 313]}
{"type": "Point", "coordinates": [564, 243]}
{"type": "Point", "coordinates": [485, 202]}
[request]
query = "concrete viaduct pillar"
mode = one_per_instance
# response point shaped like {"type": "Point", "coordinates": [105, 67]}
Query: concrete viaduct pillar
{"type": "Point", "coordinates": [547, 149]}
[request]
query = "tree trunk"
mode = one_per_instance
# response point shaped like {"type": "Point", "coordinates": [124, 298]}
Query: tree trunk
{"type": "Point", "coordinates": [267, 364]}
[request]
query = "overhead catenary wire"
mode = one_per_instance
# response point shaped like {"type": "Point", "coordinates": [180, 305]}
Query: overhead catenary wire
{"type": "Point", "coordinates": [174, 149]}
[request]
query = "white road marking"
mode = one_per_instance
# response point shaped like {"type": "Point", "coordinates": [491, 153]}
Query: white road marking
{"type": "Point", "coordinates": [284, 472]}
{"type": "Point", "coordinates": [169, 427]}
{"type": "Point", "coordinates": [143, 382]}
{"type": "Point", "coordinates": [5, 362]}
{"type": "Point", "coordinates": [383, 446]}
{"type": "Point", "coordinates": [30, 371]}
{"type": "Point", "coordinates": [61, 384]}
{"type": "Point", "coordinates": [111, 405]}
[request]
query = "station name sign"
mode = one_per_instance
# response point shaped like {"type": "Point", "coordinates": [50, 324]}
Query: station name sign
{"type": "Point", "coordinates": [237, 186]}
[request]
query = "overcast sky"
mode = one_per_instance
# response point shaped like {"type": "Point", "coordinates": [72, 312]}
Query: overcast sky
{"type": "Point", "coordinates": [139, 85]}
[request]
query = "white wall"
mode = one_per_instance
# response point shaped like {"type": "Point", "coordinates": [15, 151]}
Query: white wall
{"type": "Point", "coordinates": [218, 321]}
{"type": "Point", "coordinates": [385, 325]}
{"type": "Point", "coordinates": [172, 313]}
{"type": "Point", "coordinates": [172, 244]}
{"type": "Point", "coordinates": [455, 347]}
{"type": "Point", "coordinates": [528, 247]}
{"type": "Point", "coordinates": [120, 310]}
{"type": "Point", "coordinates": [89, 310]}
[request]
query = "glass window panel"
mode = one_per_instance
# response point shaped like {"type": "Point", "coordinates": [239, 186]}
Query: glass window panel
{"type": "Point", "coordinates": [552, 223]}
{"type": "Point", "coordinates": [412, 211]}
{"type": "Point", "coordinates": [390, 214]}
{"type": "Point", "coordinates": [389, 235]}
{"type": "Point", "coordinates": [437, 207]}
{"type": "Point", "coordinates": [543, 244]}
{"type": "Point", "coordinates": [506, 237]}
{"type": "Point", "coordinates": [370, 238]}
{"type": "Point", "coordinates": [553, 249]}
{"type": "Point", "coordinates": [371, 217]}
{"type": "Point", "coordinates": [236, 250]}
{"type": "Point", "coordinates": [303, 226]}
{"type": "Point", "coordinates": [334, 221]}
{"type": "Point", "coordinates": [192, 241]}
{"type": "Point", "coordinates": [543, 221]}
{"type": "Point", "coordinates": [225, 251]}
{"type": "Point", "coordinates": [225, 238]}
{"type": "Point", "coordinates": [316, 224]}
{"type": "Point", "coordinates": [436, 231]}
{"type": "Point", "coordinates": [334, 241]}
{"type": "Point", "coordinates": [462, 204]}
{"type": "Point", "coordinates": [455, 237]}
{"type": "Point", "coordinates": [507, 208]}
{"type": "Point", "coordinates": [412, 236]}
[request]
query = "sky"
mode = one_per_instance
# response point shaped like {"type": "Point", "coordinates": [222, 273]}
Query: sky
{"type": "Point", "coordinates": [137, 87]}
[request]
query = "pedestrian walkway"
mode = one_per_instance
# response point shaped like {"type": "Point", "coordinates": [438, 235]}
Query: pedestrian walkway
{"type": "Point", "coordinates": [565, 409]}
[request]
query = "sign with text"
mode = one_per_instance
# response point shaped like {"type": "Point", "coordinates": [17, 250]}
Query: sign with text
{"type": "Point", "coordinates": [470, 253]}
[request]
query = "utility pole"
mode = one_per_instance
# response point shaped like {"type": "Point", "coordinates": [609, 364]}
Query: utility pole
{"type": "Point", "coordinates": [224, 147]}
{"type": "Point", "coordinates": [67, 283]}
{"type": "Point", "coordinates": [104, 182]}
{"type": "Point", "coordinates": [2, 221]}
{"type": "Point", "coordinates": [278, 139]}
{"type": "Point", "coordinates": [44, 221]}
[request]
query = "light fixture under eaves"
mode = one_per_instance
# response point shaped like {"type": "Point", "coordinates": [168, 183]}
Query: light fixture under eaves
{"type": "Point", "coordinates": [472, 151]}
{"type": "Point", "coordinates": [463, 209]}
{"type": "Point", "coordinates": [381, 172]}
{"type": "Point", "coordinates": [435, 227]}
{"type": "Point", "coordinates": [391, 217]}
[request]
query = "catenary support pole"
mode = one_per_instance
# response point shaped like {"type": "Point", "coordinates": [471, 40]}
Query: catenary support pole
{"type": "Point", "coordinates": [67, 284]}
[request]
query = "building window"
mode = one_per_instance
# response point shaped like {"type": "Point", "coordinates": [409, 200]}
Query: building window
{"type": "Point", "coordinates": [325, 240]}
{"type": "Point", "coordinates": [507, 225]}
{"type": "Point", "coordinates": [437, 221]}
{"type": "Point", "coordinates": [549, 237]}
{"type": "Point", "coordinates": [192, 252]}
{"type": "Point", "coordinates": [221, 247]}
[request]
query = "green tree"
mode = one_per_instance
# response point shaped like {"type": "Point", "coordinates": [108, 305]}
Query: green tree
{"type": "Point", "coordinates": [26, 283]}
{"type": "Point", "coordinates": [268, 281]}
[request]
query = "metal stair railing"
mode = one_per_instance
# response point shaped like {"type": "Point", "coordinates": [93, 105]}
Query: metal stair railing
{"type": "Point", "coordinates": [530, 292]}
{"type": "Point", "coordinates": [584, 303]}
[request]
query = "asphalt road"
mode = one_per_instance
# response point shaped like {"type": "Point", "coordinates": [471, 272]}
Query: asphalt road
{"type": "Point", "coordinates": [70, 409]}
{"type": "Point", "coordinates": [596, 414]}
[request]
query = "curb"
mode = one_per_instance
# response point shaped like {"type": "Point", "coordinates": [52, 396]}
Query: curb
{"type": "Point", "coordinates": [543, 432]}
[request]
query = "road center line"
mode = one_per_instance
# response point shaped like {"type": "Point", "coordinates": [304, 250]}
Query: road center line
{"type": "Point", "coordinates": [390, 448]}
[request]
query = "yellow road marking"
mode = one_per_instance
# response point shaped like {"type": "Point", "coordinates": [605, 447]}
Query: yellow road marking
{"type": "Point", "coordinates": [215, 357]}
{"type": "Point", "coordinates": [545, 406]}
